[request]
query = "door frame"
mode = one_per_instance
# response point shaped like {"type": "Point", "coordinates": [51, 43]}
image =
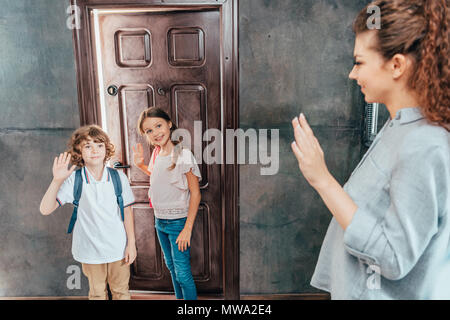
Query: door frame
{"type": "Point", "coordinates": [90, 112]}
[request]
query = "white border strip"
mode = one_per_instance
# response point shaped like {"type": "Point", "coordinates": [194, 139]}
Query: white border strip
{"type": "Point", "coordinates": [98, 53]}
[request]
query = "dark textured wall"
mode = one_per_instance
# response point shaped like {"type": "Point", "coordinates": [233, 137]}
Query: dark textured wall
{"type": "Point", "coordinates": [295, 56]}
{"type": "Point", "coordinates": [38, 101]}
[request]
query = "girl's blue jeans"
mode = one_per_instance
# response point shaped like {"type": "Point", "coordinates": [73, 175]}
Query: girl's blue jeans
{"type": "Point", "coordinates": [178, 263]}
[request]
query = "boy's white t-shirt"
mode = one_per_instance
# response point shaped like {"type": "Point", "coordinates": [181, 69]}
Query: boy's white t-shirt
{"type": "Point", "coordinates": [99, 233]}
{"type": "Point", "coordinates": [169, 190]}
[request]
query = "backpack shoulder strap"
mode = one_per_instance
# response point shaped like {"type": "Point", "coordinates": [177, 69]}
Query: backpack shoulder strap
{"type": "Point", "coordinates": [117, 189]}
{"type": "Point", "coordinates": [77, 189]}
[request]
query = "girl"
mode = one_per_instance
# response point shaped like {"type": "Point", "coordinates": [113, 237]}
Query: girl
{"type": "Point", "coordinates": [389, 235]}
{"type": "Point", "coordinates": [175, 195]}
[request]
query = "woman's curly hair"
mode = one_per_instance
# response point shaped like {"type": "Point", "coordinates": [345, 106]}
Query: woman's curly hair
{"type": "Point", "coordinates": [81, 135]}
{"type": "Point", "coordinates": [419, 28]}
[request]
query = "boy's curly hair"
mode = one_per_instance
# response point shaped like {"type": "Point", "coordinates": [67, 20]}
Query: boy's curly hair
{"type": "Point", "coordinates": [81, 135]}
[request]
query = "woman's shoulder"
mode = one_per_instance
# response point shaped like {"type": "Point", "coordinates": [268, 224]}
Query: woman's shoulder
{"type": "Point", "coordinates": [428, 135]}
{"type": "Point", "coordinates": [426, 138]}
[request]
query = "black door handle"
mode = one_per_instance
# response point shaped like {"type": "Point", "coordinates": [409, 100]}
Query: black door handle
{"type": "Point", "coordinates": [119, 165]}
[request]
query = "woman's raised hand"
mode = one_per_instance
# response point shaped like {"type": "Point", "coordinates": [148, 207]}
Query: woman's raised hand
{"type": "Point", "coordinates": [309, 154]}
{"type": "Point", "coordinates": [61, 169]}
{"type": "Point", "coordinates": [138, 155]}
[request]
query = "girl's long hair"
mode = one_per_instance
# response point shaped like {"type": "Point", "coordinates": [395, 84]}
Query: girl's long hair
{"type": "Point", "coordinates": [155, 112]}
{"type": "Point", "coordinates": [419, 28]}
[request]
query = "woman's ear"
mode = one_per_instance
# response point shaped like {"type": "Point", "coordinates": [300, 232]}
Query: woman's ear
{"type": "Point", "coordinates": [399, 65]}
{"type": "Point", "coordinates": [170, 124]}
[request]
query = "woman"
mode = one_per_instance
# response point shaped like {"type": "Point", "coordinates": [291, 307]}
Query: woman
{"type": "Point", "coordinates": [389, 236]}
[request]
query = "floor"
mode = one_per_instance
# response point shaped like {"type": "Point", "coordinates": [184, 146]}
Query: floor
{"type": "Point", "coordinates": [139, 295]}
{"type": "Point", "coordinates": [142, 295]}
{"type": "Point", "coordinates": [135, 295]}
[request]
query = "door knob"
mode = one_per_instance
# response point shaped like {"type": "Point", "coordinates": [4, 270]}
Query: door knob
{"type": "Point", "coordinates": [161, 92]}
{"type": "Point", "coordinates": [112, 90]}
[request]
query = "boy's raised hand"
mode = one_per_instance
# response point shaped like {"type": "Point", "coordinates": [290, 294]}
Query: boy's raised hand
{"type": "Point", "coordinates": [61, 169]}
{"type": "Point", "coordinates": [138, 154]}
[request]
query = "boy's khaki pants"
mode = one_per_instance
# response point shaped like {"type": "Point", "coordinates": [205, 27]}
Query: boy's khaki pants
{"type": "Point", "coordinates": [116, 274]}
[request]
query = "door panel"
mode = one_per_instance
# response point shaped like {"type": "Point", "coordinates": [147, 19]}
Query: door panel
{"type": "Point", "coordinates": [169, 59]}
{"type": "Point", "coordinates": [133, 48]}
{"type": "Point", "coordinates": [188, 103]}
{"type": "Point", "coordinates": [149, 264]}
{"type": "Point", "coordinates": [186, 47]}
{"type": "Point", "coordinates": [133, 99]}
{"type": "Point", "coordinates": [201, 270]}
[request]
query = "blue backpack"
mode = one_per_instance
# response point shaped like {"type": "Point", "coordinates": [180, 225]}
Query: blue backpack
{"type": "Point", "coordinates": [78, 187]}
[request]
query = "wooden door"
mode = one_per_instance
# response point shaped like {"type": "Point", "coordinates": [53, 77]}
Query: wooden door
{"type": "Point", "coordinates": [169, 59]}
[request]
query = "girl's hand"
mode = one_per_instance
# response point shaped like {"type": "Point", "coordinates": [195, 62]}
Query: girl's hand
{"type": "Point", "coordinates": [184, 239]}
{"type": "Point", "coordinates": [60, 167]}
{"type": "Point", "coordinates": [138, 155]}
{"type": "Point", "coordinates": [309, 154]}
{"type": "Point", "coordinates": [130, 254]}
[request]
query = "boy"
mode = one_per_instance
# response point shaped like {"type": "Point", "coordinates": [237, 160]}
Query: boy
{"type": "Point", "coordinates": [102, 242]}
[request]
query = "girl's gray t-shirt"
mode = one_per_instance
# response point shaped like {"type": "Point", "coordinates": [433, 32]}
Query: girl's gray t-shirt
{"type": "Point", "coordinates": [169, 190]}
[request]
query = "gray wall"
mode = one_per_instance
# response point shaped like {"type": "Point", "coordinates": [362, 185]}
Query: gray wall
{"type": "Point", "coordinates": [294, 56]}
{"type": "Point", "coordinates": [38, 101]}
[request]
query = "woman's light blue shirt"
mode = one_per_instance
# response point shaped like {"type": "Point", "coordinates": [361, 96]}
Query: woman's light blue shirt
{"type": "Point", "coordinates": [398, 241]}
